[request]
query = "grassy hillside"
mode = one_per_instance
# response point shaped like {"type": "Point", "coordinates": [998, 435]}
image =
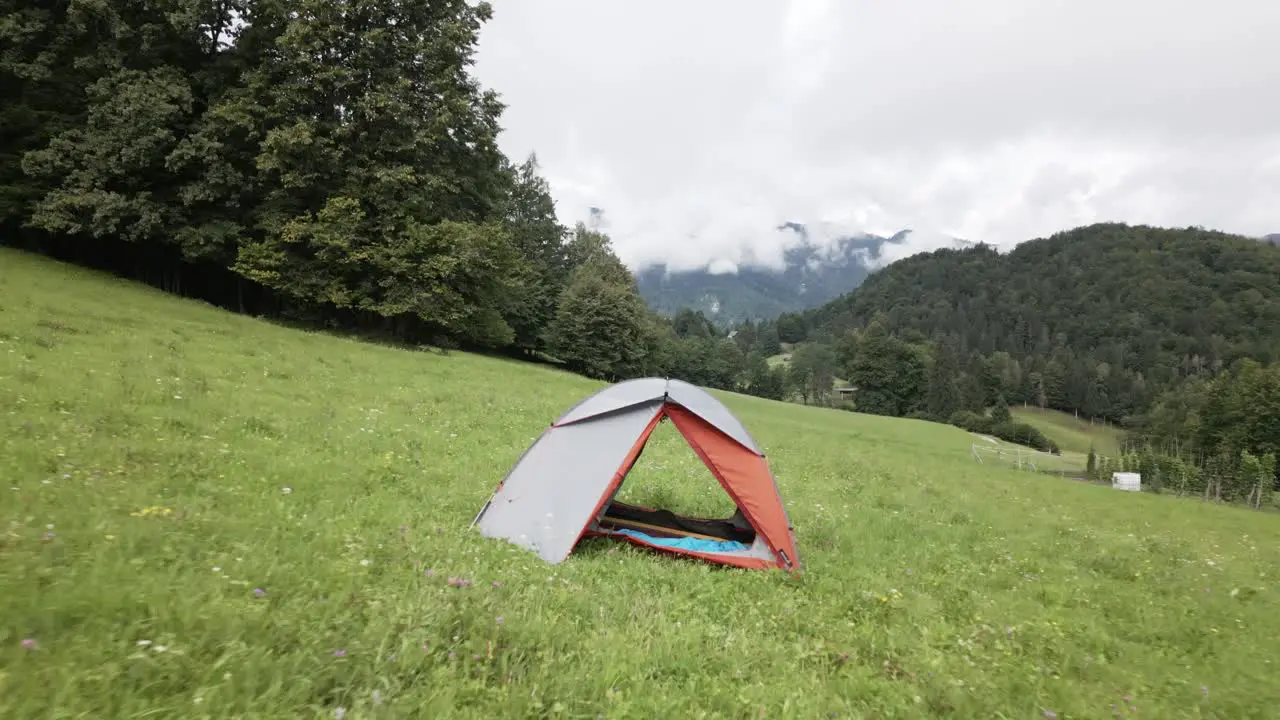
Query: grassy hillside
{"type": "Point", "coordinates": [206, 515]}
{"type": "Point", "coordinates": [1071, 433]}
{"type": "Point", "coordinates": [990, 451]}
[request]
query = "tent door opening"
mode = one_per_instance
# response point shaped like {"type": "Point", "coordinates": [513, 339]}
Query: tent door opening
{"type": "Point", "coordinates": [666, 524]}
{"type": "Point", "coordinates": [665, 527]}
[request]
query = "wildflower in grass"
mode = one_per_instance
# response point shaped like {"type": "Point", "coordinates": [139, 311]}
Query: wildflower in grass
{"type": "Point", "coordinates": [259, 592]}
{"type": "Point", "coordinates": [286, 490]}
{"type": "Point", "coordinates": [339, 712]}
{"type": "Point", "coordinates": [459, 582]}
{"type": "Point", "coordinates": [152, 511]}
{"type": "Point", "coordinates": [1050, 714]}
{"type": "Point", "coordinates": [497, 584]}
{"type": "Point", "coordinates": [499, 620]}
{"type": "Point", "coordinates": [29, 644]}
{"type": "Point", "coordinates": [429, 572]}
{"type": "Point", "coordinates": [377, 697]}
{"type": "Point", "coordinates": [340, 653]}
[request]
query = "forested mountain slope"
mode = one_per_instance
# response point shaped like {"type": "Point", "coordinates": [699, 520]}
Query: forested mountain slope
{"type": "Point", "coordinates": [1098, 319]}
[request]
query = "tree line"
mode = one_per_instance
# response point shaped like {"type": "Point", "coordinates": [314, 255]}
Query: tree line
{"type": "Point", "coordinates": [332, 163]}
{"type": "Point", "coordinates": [1171, 334]}
{"type": "Point", "coordinates": [327, 159]}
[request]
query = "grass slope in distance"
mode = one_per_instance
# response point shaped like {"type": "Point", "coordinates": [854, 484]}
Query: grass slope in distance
{"type": "Point", "coordinates": [1071, 433]}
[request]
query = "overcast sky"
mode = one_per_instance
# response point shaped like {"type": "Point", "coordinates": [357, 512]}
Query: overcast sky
{"type": "Point", "coordinates": [699, 126]}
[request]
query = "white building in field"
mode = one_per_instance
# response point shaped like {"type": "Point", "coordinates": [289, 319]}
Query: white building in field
{"type": "Point", "coordinates": [1130, 481]}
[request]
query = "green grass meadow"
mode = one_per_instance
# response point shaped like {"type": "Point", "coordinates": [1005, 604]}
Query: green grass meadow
{"type": "Point", "coordinates": [1071, 433]}
{"type": "Point", "coordinates": [207, 515]}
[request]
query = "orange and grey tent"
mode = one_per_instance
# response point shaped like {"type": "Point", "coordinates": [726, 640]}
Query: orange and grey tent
{"type": "Point", "coordinates": [563, 487]}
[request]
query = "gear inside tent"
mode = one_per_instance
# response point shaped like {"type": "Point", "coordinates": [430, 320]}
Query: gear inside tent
{"type": "Point", "coordinates": [565, 486]}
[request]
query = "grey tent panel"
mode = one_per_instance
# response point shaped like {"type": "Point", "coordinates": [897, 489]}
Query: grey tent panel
{"type": "Point", "coordinates": [615, 397]}
{"type": "Point", "coordinates": [704, 405]}
{"type": "Point", "coordinates": [549, 497]}
{"type": "Point", "coordinates": [640, 391]}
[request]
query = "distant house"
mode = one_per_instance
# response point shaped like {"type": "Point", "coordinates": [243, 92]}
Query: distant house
{"type": "Point", "coordinates": [846, 393]}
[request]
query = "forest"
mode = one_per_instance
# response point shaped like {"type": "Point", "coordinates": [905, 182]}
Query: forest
{"type": "Point", "coordinates": [323, 162]}
{"type": "Point", "coordinates": [1173, 334]}
{"type": "Point", "coordinates": [335, 164]}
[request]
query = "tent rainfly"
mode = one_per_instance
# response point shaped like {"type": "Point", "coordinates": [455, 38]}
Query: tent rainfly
{"type": "Point", "coordinates": [563, 488]}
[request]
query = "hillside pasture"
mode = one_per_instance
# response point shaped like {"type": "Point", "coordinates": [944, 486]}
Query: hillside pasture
{"type": "Point", "coordinates": [781, 359]}
{"type": "Point", "coordinates": [207, 515]}
{"type": "Point", "coordinates": [1071, 433]}
{"type": "Point", "coordinates": [989, 451]}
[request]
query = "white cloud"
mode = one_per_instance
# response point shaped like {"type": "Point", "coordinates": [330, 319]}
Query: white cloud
{"type": "Point", "coordinates": [700, 127]}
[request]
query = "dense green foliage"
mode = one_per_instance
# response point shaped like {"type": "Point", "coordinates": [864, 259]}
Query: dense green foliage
{"type": "Point", "coordinates": [1000, 424]}
{"type": "Point", "coordinates": [1172, 333]}
{"type": "Point", "coordinates": [1099, 320]}
{"type": "Point", "coordinates": [1222, 433]}
{"type": "Point", "coordinates": [333, 163]}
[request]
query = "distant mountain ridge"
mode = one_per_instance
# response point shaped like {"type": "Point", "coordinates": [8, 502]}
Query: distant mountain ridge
{"type": "Point", "coordinates": [813, 274]}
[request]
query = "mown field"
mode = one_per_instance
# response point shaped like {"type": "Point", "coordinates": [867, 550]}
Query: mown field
{"type": "Point", "coordinates": [206, 515]}
{"type": "Point", "coordinates": [1072, 434]}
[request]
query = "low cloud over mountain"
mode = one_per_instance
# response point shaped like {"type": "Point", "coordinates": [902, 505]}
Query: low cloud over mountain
{"type": "Point", "coordinates": [813, 268]}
